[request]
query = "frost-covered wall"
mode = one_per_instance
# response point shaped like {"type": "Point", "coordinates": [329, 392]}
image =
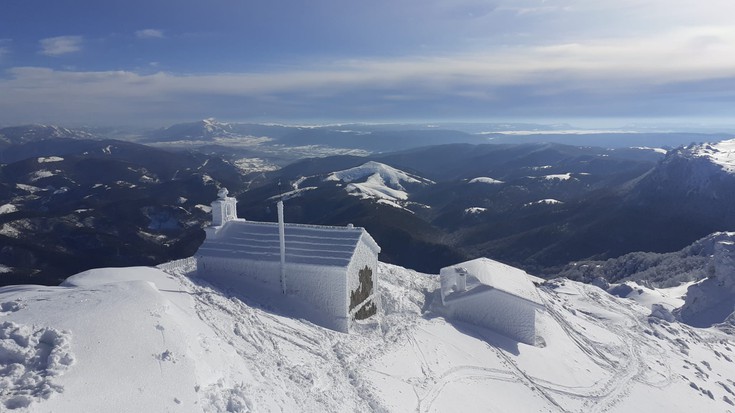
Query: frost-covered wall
{"type": "Point", "coordinates": [323, 287]}
{"type": "Point", "coordinates": [497, 311]}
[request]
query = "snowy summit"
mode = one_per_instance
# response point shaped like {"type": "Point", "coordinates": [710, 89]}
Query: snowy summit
{"type": "Point", "coordinates": [144, 339]}
{"type": "Point", "coordinates": [721, 154]}
{"type": "Point", "coordinates": [378, 181]}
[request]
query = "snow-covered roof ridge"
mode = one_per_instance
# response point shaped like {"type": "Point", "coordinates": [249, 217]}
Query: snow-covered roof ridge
{"type": "Point", "coordinates": [499, 276]}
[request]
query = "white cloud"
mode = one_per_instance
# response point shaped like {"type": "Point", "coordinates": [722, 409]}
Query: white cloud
{"type": "Point", "coordinates": [614, 74]}
{"type": "Point", "coordinates": [57, 46]}
{"type": "Point", "coordinates": [149, 34]}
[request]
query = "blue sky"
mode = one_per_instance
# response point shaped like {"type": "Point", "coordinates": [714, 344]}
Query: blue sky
{"type": "Point", "coordinates": [162, 61]}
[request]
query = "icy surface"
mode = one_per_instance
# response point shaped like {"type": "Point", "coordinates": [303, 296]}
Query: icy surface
{"type": "Point", "coordinates": [148, 341]}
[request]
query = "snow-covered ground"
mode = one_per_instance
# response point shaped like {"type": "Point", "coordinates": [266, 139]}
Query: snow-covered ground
{"type": "Point", "coordinates": [141, 339]}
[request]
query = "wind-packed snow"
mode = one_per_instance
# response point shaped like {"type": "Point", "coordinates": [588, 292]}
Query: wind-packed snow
{"type": "Point", "coordinates": [140, 339]}
{"type": "Point", "coordinates": [722, 153]}
{"type": "Point", "coordinates": [485, 180]}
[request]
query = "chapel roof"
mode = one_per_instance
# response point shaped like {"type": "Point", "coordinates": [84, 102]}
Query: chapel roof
{"type": "Point", "coordinates": [305, 244]}
{"type": "Point", "coordinates": [484, 272]}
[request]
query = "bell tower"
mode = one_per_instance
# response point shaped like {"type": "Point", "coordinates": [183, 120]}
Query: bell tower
{"type": "Point", "coordinates": [224, 208]}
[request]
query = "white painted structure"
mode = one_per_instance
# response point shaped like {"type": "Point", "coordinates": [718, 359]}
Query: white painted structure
{"type": "Point", "coordinates": [332, 269]}
{"type": "Point", "coordinates": [493, 295]}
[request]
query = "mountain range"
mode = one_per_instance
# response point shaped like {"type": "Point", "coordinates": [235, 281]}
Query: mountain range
{"type": "Point", "coordinates": [538, 206]}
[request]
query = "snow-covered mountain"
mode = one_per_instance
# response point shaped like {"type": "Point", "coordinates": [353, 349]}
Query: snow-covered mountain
{"type": "Point", "coordinates": [103, 202]}
{"type": "Point", "coordinates": [203, 130]}
{"type": "Point", "coordinates": [720, 153]}
{"type": "Point", "coordinates": [142, 339]}
{"type": "Point", "coordinates": [690, 264]}
{"type": "Point", "coordinates": [375, 180]}
{"type": "Point", "coordinates": [16, 135]}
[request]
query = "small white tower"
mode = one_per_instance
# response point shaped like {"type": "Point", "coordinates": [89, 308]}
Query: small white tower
{"type": "Point", "coordinates": [224, 209]}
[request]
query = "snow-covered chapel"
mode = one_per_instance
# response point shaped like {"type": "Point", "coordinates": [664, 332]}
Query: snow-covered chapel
{"type": "Point", "coordinates": [333, 269]}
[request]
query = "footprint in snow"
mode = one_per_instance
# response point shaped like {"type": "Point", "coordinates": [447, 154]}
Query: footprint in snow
{"type": "Point", "coordinates": [9, 307]}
